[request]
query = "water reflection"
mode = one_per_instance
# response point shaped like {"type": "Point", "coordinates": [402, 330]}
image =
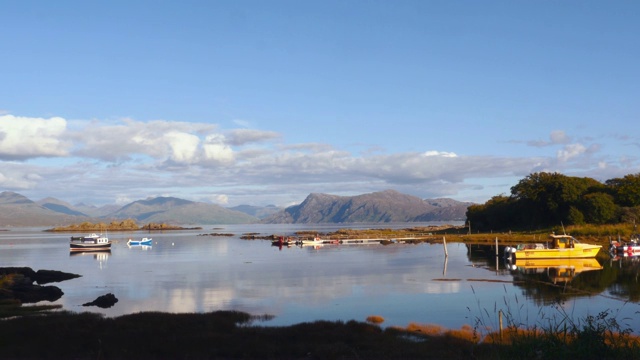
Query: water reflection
{"type": "Point", "coordinates": [547, 281]}
{"type": "Point", "coordinates": [101, 256]}
{"type": "Point", "coordinates": [553, 270]}
{"type": "Point", "coordinates": [403, 283]}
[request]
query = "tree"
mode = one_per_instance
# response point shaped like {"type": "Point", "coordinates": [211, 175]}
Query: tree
{"type": "Point", "coordinates": [626, 190]}
{"type": "Point", "coordinates": [494, 214]}
{"type": "Point", "coordinates": [599, 208]}
{"type": "Point", "coordinates": [576, 217]}
{"type": "Point", "coordinates": [550, 196]}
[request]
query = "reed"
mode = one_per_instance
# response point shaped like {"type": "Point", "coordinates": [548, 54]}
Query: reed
{"type": "Point", "coordinates": [555, 335]}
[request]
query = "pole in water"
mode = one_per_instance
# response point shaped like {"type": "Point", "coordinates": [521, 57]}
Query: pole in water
{"type": "Point", "coordinates": [497, 255]}
{"type": "Point", "coordinates": [444, 242]}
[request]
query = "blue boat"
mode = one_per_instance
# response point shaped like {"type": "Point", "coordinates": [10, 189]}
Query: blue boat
{"type": "Point", "coordinates": [144, 241]}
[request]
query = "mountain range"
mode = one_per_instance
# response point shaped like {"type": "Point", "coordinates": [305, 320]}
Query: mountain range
{"type": "Point", "coordinates": [384, 206]}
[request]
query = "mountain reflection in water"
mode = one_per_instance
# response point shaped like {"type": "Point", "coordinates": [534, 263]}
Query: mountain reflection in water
{"type": "Point", "coordinates": [403, 283]}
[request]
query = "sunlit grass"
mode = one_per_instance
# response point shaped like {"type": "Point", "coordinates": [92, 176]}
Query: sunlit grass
{"type": "Point", "coordinates": [375, 319]}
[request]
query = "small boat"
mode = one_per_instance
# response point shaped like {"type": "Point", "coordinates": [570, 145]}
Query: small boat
{"type": "Point", "coordinates": [144, 241]}
{"type": "Point", "coordinates": [631, 248]}
{"type": "Point", "coordinates": [93, 242]}
{"type": "Point", "coordinates": [282, 241]}
{"type": "Point", "coordinates": [316, 241]}
{"type": "Point", "coordinates": [560, 247]}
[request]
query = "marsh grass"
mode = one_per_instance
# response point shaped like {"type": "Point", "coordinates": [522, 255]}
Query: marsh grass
{"type": "Point", "coordinates": [375, 319]}
{"type": "Point", "coordinates": [218, 335]}
{"type": "Point", "coordinates": [555, 335]}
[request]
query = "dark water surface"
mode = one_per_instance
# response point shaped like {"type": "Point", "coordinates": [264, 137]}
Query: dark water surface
{"type": "Point", "coordinates": [184, 272]}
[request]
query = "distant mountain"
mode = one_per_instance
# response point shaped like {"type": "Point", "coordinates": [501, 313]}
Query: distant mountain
{"type": "Point", "coordinates": [95, 211]}
{"type": "Point", "coordinates": [179, 211]}
{"type": "Point", "coordinates": [446, 209]}
{"type": "Point", "coordinates": [260, 212]}
{"type": "Point", "coordinates": [17, 210]}
{"type": "Point", "coordinates": [59, 206]}
{"type": "Point", "coordinates": [384, 206]}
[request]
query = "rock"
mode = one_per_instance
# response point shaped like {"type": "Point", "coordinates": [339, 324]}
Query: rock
{"type": "Point", "coordinates": [40, 276]}
{"type": "Point", "coordinates": [104, 301]}
{"type": "Point", "coordinates": [22, 289]}
{"type": "Point", "coordinates": [48, 276]}
{"type": "Point", "coordinates": [26, 271]}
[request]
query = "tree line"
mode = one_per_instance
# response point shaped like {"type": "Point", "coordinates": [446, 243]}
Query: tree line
{"type": "Point", "coordinates": [542, 200]}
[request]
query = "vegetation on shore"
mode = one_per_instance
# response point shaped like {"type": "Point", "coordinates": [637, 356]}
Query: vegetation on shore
{"type": "Point", "coordinates": [591, 233]}
{"type": "Point", "coordinates": [548, 199]}
{"type": "Point", "coordinates": [123, 225]}
{"type": "Point", "coordinates": [234, 335]}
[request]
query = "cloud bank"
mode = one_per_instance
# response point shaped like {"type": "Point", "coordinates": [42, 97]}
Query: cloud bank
{"type": "Point", "coordinates": [102, 161]}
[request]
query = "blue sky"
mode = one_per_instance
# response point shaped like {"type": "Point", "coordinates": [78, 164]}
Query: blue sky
{"type": "Point", "coordinates": [264, 102]}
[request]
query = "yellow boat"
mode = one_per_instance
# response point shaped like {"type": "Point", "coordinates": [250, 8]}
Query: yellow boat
{"type": "Point", "coordinates": [559, 247]}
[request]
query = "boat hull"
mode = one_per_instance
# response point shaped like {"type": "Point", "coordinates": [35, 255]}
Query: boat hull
{"type": "Point", "coordinates": [582, 252]}
{"type": "Point", "coordinates": [89, 247]}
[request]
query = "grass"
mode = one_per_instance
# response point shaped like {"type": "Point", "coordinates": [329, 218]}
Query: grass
{"type": "Point", "coordinates": [555, 335]}
{"type": "Point", "coordinates": [235, 335]}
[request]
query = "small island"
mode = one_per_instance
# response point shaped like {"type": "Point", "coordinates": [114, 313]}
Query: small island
{"type": "Point", "coordinates": [124, 225]}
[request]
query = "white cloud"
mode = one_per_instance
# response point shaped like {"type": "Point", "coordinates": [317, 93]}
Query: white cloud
{"type": "Point", "coordinates": [113, 161]}
{"type": "Point", "coordinates": [17, 176]}
{"type": "Point", "coordinates": [571, 151]}
{"type": "Point", "coordinates": [178, 142]}
{"type": "Point", "coordinates": [440, 153]}
{"type": "Point", "coordinates": [220, 199]}
{"type": "Point", "coordinates": [183, 146]}
{"type": "Point", "coordinates": [22, 138]}
{"type": "Point", "coordinates": [215, 149]}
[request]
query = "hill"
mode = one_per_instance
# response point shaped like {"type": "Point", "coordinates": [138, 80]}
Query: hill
{"type": "Point", "coordinates": [261, 212]}
{"type": "Point", "coordinates": [60, 206]}
{"type": "Point", "coordinates": [383, 206]}
{"type": "Point", "coordinates": [179, 211]}
{"type": "Point", "coordinates": [18, 210]}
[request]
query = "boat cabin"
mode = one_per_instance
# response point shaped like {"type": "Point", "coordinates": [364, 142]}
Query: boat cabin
{"type": "Point", "coordinates": [562, 241]}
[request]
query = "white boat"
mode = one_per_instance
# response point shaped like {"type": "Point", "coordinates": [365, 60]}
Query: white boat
{"type": "Point", "coordinates": [316, 241]}
{"type": "Point", "coordinates": [93, 242]}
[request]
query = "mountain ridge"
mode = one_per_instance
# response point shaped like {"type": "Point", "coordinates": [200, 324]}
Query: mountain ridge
{"type": "Point", "coordinates": [383, 206]}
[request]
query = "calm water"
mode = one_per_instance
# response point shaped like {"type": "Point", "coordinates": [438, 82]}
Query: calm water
{"type": "Point", "coordinates": [184, 272]}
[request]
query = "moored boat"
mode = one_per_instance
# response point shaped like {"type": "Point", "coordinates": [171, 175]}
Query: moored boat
{"type": "Point", "coordinates": [93, 242]}
{"type": "Point", "coordinates": [559, 247]}
{"type": "Point", "coordinates": [143, 241]}
{"type": "Point", "coordinates": [282, 241]}
{"type": "Point", "coordinates": [630, 248]}
{"type": "Point", "coordinates": [316, 241]}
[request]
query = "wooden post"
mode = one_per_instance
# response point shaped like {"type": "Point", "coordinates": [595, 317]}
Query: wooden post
{"type": "Point", "coordinates": [444, 242]}
{"type": "Point", "coordinates": [497, 255]}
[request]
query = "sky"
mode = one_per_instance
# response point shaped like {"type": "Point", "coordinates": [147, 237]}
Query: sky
{"type": "Point", "coordinates": [264, 102]}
